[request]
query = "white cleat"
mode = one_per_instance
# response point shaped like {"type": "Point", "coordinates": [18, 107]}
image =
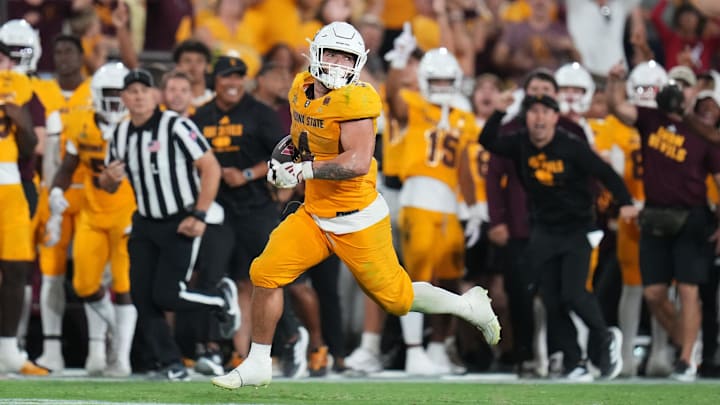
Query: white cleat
{"type": "Point", "coordinates": [364, 360]}
{"type": "Point", "coordinates": [117, 370]}
{"type": "Point", "coordinates": [51, 361]}
{"type": "Point", "coordinates": [481, 314]}
{"type": "Point", "coordinates": [95, 365]}
{"type": "Point", "coordinates": [246, 375]}
{"type": "Point", "coordinates": [417, 362]}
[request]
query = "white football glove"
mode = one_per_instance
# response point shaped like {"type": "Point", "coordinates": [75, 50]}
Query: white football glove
{"type": "Point", "coordinates": [478, 214]}
{"type": "Point", "coordinates": [53, 229]}
{"type": "Point", "coordinates": [403, 47]}
{"type": "Point", "coordinates": [58, 203]}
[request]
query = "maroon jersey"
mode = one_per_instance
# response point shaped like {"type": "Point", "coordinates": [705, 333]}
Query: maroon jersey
{"type": "Point", "coordinates": [676, 161]}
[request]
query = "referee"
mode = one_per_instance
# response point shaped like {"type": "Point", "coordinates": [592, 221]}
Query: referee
{"type": "Point", "coordinates": [175, 177]}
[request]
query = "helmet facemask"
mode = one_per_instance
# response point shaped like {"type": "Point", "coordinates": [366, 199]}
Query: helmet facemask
{"type": "Point", "coordinates": [111, 106]}
{"type": "Point", "coordinates": [339, 37]}
{"type": "Point", "coordinates": [439, 77]}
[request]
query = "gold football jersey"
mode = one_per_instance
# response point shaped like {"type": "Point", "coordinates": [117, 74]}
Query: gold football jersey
{"type": "Point", "coordinates": [52, 98]}
{"type": "Point", "coordinates": [86, 137]}
{"type": "Point", "coordinates": [316, 130]}
{"type": "Point", "coordinates": [14, 88]}
{"type": "Point", "coordinates": [611, 132]}
{"type": "Point", "coordinates": [431, 151]}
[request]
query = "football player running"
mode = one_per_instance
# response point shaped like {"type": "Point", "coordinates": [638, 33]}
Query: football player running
{"type": "Point", "coordinates": [436, 133]}
{"type": "Point", "coordinates": [334, 125]}
{"type": "Point", "coordinates": [102, 232]}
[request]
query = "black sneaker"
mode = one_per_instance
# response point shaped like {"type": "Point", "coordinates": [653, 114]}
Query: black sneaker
{"type": "Point", "coordinates": [229, 316]}
{"type": "Point", "coordinates": [613, 362]}
{"type": "Point", "coordinates": [175, 372]}
{"type": "Point", "coordinates": [294, 355]}
{"type": "Point", "coordinates": [684, 372]}
{"type": "Point", "coordinates": [210, 363]}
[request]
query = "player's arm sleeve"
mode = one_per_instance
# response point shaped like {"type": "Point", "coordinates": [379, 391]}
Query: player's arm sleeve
{"type": "Point", "coordinates": [192, 144]}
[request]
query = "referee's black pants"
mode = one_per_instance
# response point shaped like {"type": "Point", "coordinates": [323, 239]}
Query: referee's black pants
{"type": "Point", "coordinates": [161, 262]}
{"type": "Point", "coordinates": [562, 261]}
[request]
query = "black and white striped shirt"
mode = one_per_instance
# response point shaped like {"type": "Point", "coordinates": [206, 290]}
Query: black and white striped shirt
{"type": "Point", "coordinates": [159, 161]}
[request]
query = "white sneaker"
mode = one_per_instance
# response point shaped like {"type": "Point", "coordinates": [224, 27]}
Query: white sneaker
{"type": "Point", "coordinates": [615, 363]}
{"type": "Point", "coordinates": [579, 374]}
{"type": "Point", "coordinates": [257, 374]}
{"type": "Point", "coordinates": [481, 314]}
{"type": "Point", "coordinates": [210, 363]}
{"type": "Point", "coordinates": [294, 355]}
{"type": "Point", "coordinates": [52, 361]}
{"type": "Point", "coordinates": [117, 369]}
{"type": "Point", "coordinates": [95, 365]}
{"type": "Point", "coordinates": [438, 356]}
{"type": "Point", "coordinates": [684, 372]}
{"type": "Point", "coordinates": [364, 360]}
{"type": "Point", "coordinates": [417, 362]}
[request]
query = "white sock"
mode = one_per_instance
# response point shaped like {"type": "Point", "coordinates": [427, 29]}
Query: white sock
{"type": "Point", "coordinates": [97, 331]}
{"type": "Point", "coordinates": [435, 300]}
{"type": "Point", "coordinates": [371, 342]}
{"type": "Point", "coordinates": [259, 352]}
{"type": "Point", "coordinates": [52, 304]}
{"type": "Point", "coordinates": [24, 316]}
{"type": "Point", "coordinates": [412, 328]}
{"type": "Point", "coordinates": [126, 316]}
{"type": "Point", "coordinates": [629, 309]}
{"type": "Point", "coordinates": [104, 309]}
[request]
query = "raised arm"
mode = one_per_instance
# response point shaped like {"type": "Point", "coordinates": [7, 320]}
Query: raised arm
{"type": "Point", "coordinates": [618, 103]}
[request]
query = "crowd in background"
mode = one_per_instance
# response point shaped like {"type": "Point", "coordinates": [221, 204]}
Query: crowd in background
{"type": "Point", "coordinates": [189, 48]}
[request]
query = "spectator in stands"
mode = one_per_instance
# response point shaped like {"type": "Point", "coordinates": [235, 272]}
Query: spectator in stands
{"type": "Point", "coordinates": [176, 87]}
{"type": "Point", "coordinates": [683, 40]}
{"type": "Point", "coordinates": [193, 58]}
{"type": "Point", "coordinates": [597, 28]}
{"type": "Point", "coordinates": [537, 42]}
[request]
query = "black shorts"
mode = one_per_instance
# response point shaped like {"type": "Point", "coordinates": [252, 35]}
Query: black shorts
{"type": "Point", "coordinates": [684, 257]}
{"type": "Point", "coordinates": [238, 241]}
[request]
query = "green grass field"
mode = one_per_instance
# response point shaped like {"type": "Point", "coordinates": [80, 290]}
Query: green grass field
{"type": "Point", "coordinates": [361, 392]}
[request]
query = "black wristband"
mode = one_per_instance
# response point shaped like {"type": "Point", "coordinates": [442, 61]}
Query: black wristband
{"type": "Point", "coordinates": [199, 215]}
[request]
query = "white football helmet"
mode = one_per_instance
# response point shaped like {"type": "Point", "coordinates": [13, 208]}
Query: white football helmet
{"type": "Point", "coordinates": [106, 84]}
{"type": "Point", "coordinates": [439, 64]}
{"type": "Point", "coordinates": [24, 43]}
{"type": "Point", "coordinates": [644, 83]}
{"type": "Point", "coordinates": [574, 75]}
{"type": "Point", "coordinates": [339, 36]}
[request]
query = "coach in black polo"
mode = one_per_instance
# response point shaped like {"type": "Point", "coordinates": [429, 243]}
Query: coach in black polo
{"type": "Point", "coordinates": [242, 132]}
{"type": "Point", "coordinates": [175, 177]}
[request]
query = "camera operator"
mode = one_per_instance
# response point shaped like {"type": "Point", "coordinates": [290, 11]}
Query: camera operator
{"type": "Point", "coordinates": [676, 222]}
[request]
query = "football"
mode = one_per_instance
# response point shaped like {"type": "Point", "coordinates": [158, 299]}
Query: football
{"type": "Point", "coordinates": [285, 150]}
